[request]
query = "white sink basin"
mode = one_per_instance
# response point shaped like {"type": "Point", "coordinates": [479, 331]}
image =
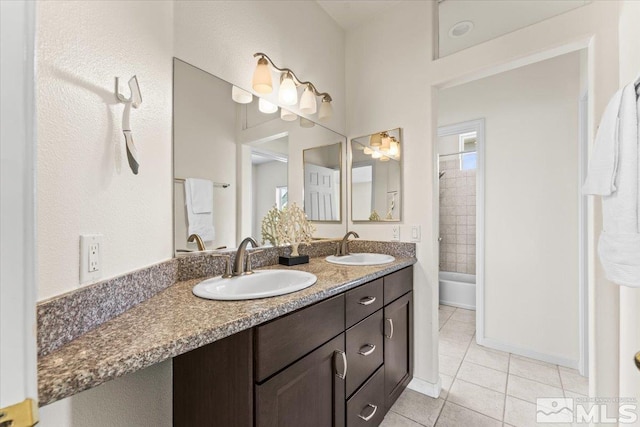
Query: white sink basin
{"type": "Point", "coordinates": [361, 259]}
{"type": "Point", "coordinates": [260, 284]}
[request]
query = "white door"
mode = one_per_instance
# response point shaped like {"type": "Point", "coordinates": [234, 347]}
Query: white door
{"type": "Point", "coordinates": [319, 193]}
{"type": "Point", "coordinates": [17, 250]}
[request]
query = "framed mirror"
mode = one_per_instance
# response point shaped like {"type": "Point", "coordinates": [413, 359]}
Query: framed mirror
{"type": "Point", "coordinates": [376, 177]}
{"type": "Point", "coordinates": [236, 157]}
{"type": "Point", "coordinates": [322, 182]}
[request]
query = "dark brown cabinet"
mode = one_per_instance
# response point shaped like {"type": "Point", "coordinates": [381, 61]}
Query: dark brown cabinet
{"type": "Point", "coordinates": [398, 348]}
{"type": "Point", "coordinates": [341, 362]}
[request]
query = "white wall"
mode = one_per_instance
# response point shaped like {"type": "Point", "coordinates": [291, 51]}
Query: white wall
{"type": "Point", "coordinates": [531, 190]}
{"type": "Point", "coordinates": [266, 177]}
{"type": "Point", "coordinates": [408, 68]}
{"type": "Point", "coordinates": [204, 134]}
{"type": "Point", "coordinates": [84, 181]}
{"type": "Point", "coordinates": [222, 36]}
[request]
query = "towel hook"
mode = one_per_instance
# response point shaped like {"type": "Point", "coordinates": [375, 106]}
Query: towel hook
{"type": "Point", "coordinates": [134, 100]}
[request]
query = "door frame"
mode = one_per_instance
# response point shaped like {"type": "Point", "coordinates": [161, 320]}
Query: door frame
{"type": "Point", "coordinates": [455, 129]}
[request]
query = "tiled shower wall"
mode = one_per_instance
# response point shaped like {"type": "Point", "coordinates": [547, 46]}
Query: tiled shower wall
{"type": "Point", "coordinates": [457, 217]}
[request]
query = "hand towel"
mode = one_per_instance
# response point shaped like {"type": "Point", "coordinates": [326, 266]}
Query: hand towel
{"type": "Point", "coordinates": [199, 223]}
{"type": "Point", "coordinates": [619, 243]}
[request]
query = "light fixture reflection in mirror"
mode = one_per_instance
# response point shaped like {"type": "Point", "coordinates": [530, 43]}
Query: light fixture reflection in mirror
{"type": "Point", "coordinates": [376, 177]}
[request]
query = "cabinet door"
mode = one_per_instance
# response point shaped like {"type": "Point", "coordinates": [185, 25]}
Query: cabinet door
{"type": "Point", "coordinates": [398, 347]}
{"type": "Point", "coordinates": [309, 393]}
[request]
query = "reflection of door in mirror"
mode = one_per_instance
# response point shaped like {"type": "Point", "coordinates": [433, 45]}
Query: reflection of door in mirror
{"type": "Point", "coordinates": [322, 166]}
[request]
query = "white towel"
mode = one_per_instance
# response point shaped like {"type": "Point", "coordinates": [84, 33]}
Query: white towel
{"type": "Point", "coordinates": [614, 173]}
{"type": "Point", "coordinates": [198, 194]}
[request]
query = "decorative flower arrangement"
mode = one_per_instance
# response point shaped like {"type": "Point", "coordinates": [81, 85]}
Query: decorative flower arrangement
{"type": "Point", "coordinates": [287, 226]}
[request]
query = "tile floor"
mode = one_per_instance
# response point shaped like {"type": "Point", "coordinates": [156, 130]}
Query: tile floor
{"type": "Point", "coordinates": [482, 387]}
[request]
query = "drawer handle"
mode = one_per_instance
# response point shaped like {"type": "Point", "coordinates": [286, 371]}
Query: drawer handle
{"type": "Point", "coordinates": [390, 322]}
{"type": "Point", "coordinates": [368, 417]}
{"type": "Point", "coordinates": [372, 348]}
{"type": "Point", "coordinates": [342, 375]}
{"type": "Point", "coordinates": [367, 300]}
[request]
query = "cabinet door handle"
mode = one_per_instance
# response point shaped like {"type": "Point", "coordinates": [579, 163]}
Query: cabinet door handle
{"type": "Point", "coordinates": [368, 417]}
{"type": "Point", "coordinates": [342, 375]}
{"type": "Point", "coordinates": [390, 322]}
{"type": "Point", "coordinates": [372, 348]}
{"type": "Point", "coordinates": [367, 300]}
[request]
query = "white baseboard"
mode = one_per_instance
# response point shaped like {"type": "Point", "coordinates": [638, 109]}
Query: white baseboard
{"type": "Point", "coordinates": [508, 348]}
{"type": "Point", "coordinates": [425, 387]}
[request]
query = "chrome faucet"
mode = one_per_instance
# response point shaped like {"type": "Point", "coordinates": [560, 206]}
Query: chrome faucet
{"type": "Point", "coordinates": [196, 238]}
{"type": "Point", "coordinates": [343, 246]}
{"type": "Point", "coordinates": [239, 265]}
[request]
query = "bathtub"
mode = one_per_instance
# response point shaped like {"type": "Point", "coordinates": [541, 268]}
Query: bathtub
{"type": "Point", "coordinates": [458, 289]}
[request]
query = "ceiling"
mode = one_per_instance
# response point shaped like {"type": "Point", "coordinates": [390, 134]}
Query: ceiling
{"type": "Point", "coordinates": [351, 14]}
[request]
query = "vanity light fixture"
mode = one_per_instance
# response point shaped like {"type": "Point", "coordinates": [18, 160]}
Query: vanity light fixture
{"type": "Point", "coordinates": [375, 140]}
{"type": "Point", "coordinates": [384, 159]}
{"type": "Point", "coordinates": [306, 123]}
{"type": "Point", "coordinates": [241, 96]}
{"type": "Point", "coordinates": [394, 147]}
{"type": "Point", "coordinates": [287, 115]}
{"type": "Point", "coordinates": [287, 93]}
{"type": "Point", "coordinates": [368, 151]}
{"type": "Point", "coordinates": [376, 155]}
{"type": "Point", "coordinates": [266, 107]}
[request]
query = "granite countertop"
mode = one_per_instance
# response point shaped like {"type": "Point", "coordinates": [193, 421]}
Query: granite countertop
{"type": "Point", "coordinates": [175, 321]}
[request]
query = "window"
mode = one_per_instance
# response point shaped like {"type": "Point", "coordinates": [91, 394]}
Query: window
{"type": "Point", "coordinates": [468, 156]}
{"type": "Point", "coordinates": [282, 197]}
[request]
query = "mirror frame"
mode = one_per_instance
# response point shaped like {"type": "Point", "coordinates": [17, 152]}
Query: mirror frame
{"type": "Point", "coordinates": [338, 221]}
{"type": "Point", "coordinates": [400, 161]}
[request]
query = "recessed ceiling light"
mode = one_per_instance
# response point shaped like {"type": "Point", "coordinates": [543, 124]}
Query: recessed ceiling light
{"type": "Point", "coordinates": [460, 29]}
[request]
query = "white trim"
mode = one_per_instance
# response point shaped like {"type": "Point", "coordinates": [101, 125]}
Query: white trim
{"type": "Point", "coordinates": [583, 232]}
{"type": "Point", "coordinates": [508, 348]}
{"type": "Point", "coordinates": [425, 387]}
{"type": "Point", "coordinates": [458, 128]}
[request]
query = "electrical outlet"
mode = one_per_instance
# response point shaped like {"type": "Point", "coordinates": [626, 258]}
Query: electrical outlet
{"type": "Point", "coordinates": [395, 233]}
{"type": "Point", "coordinates": [90, 257]}
{"type": "Point", "coordinates": [415, 233]}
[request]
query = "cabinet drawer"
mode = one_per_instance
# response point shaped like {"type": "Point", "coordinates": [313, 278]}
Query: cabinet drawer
{"type": "Point", "coordinates": [363, 301]}
{"type": "Point", "coordinates": [364, 350]}
{"type": "Point", "coordinates": [397, 284]}
{"type": "Point", "coordinates": [366, 407]}
{"type": "Point", "coordinates": [288, 338]}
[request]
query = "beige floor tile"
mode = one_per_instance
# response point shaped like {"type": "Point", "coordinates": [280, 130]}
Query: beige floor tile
{"type": "Point", "coordinates": [393, 419]}
{"type": "Point", "coordinates": [529, 390]}
{"type": "Point", "coordinates": [449, 365]}
{"type": "Point", "coordinates": [447, 333]}
{"type": "Point", "coordinates": [528, 359]}
{"type": "Point", "coordinates": [480, 399]}
{"type": "Point", "coordinates": [456, 325]}
{"type": "Point", "coordinates": [453, 415]}
{"type": "Point", "coordinates": [463, 315]}
{"type": "Point", "coordinates": [418, 407]}
{"type": "Point", "coordinates": [481, 375]}
{"type": "Point", "coordinates": [446, 309]}
{"type": "Point", "coordinates": [573, 381]}
{"type": "Point", "coordinates": [519, 413]}
{"type": "Point", "coordinates": [452, 348]}
{"type": "Point", "coordinates": [533, 371]}
{"type": "Point", "coordinates": [489, 358]}
{"type": "Point", "coordinates": [441, 322]}
{"type": "Point", "coordinates": [446, 382]}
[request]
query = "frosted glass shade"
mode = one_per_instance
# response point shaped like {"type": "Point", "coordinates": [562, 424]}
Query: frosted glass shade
{"type": "Point", "coordinates": [368, 151]}
{"type": "Point", "coordinates": [375, 140]}
{"type": "Point", "coordinates": [306, 123]}
{"type": "Point", "coordinates": [384, 159]}
{"type": "Point", "coordinates": [287, 115]}
{"type": "Point", "coordinates": [385, 142]}
{"type": "Point", "coordinates": [262, 82]}
{"type": "Point", "coordinates": [266, 107]}
{"type": "Point", "coordinates": [376, 155]}
{"type": "Point", "coordinates": [394, 149]}
{"type": "Point", "coordinates": [288, 93]}
{"type": "Point", "coordinates": [308, 102]}
{"type": "Point", "coordinates": [241, 96]}
{"type": "Point", "coordinates": [326, 111]}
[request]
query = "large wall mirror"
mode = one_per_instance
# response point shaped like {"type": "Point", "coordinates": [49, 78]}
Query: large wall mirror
{"type": "Point", "coordinates": [236, 156]}
{"type": "Point", "coordinates": [376, 177]}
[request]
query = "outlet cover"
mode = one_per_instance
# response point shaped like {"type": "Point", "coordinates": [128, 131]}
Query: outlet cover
{"type": "Point", "coordinates": [415, 233]}
{"type": "Point", "coordinates": [90, 257]}
{"type": "Point", "coordinates": [395, 233]}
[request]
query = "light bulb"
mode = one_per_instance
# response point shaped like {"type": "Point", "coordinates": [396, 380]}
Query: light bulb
{"type": "Point", "coordinates": [376, 155]}
{"type": "Point", "coordinates": [326, 110]}
{"type": "Point", "coordinates": [287, 115]}
{"type": "Point", "coordinates": [241, 96]}
{"type": "Point", "coordinates": [287, 94]}
{"type": "Point", "coordinates": [262, 82]}
{"type": "Point", "coordinates": [308, 101]}
{"type": "Point", "coordinates": [306, 123]}
{"type": "Point", "coordinates": [368, 151]}
{"type": "Point", "coordinates": [266, 107]}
